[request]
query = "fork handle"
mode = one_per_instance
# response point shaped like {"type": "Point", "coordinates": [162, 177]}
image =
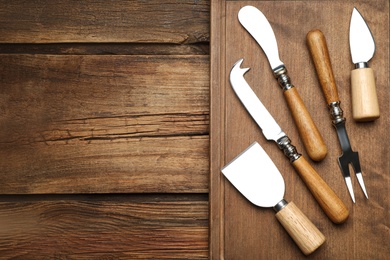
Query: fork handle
{"type": "Point", "coordinates": [331, 204]}
{"type": "Point", "coordinates": [320, 55]}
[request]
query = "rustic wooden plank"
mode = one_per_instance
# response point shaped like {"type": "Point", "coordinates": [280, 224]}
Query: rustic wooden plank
{"type": "Point", "coordinates": [162, 164]}
{"type": "Point", "coordinates": [71, 124]}
{"type": "Point", "coordinates": [107, 48]}
{"type": "Point", "coordinates": [109, 227]}
{"type": "Point", "coordinates": [217, 106]}
{"type": "Point", "coordinates": [154, 21]}
{"type": "Point", "coordinates": [239, 230]}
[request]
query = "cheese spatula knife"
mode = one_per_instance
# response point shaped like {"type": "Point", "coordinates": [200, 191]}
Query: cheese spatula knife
{"type": "Point", "coordinates": [254, 21]}
{"type": "Point", "coordinates": [256, 177]}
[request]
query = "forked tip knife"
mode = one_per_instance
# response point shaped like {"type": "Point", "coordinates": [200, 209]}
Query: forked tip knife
{"type": "Point", "coordinates": [331, 204]}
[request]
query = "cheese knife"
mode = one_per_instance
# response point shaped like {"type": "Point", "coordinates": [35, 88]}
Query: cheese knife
{"type": "Point", "coordinates": [331, 204]}
{"type": "Point", "coordinates": [365, 106]}
{"type": "Point", "coordinates": [254, 21]}
{"type": "Point", "coordinates": [256, 177]}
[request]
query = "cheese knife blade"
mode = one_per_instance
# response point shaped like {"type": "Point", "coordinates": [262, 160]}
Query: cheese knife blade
{"type": "Point", "coordinates": [361, 41]}
{"type": "Point", "coordinates": [258, 26]}
{"type": "Point", "coordinates": [271, 129]}
{"type": "Point", "coordinates": [254, 21]}
{"type": "Point", "coordinates": [365, 105]}
{"type": "Point", "coordinates": [333, 207]}
{"type": "Point", "coordinates": [256, 177]}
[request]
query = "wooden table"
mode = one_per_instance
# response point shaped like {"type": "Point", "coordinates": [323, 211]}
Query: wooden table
{"type": "Point", "coordinates": [104, 129]}
{"type": "Point", "coordinates": [105, 133]}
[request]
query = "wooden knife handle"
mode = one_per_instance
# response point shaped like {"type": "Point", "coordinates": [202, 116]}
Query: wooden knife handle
{"type": "Point", "coordinates": [305, 234]}
{"type": "Point", "coordinates": [365, 106]}
{"type": "Point", "coordinates": [310, 136]}
{"type": "Point", "coordinates": [331, 204]}
{"type": "Point", "coordinates": [320, 55]}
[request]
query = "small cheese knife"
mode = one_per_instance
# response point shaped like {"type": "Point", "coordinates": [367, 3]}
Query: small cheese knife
{"type": "Point", "coordinates": [365, 106]}
{"type": "Point", "coordinates": [254, 21]}
{"type": "Point", "coordinates": [256, 177]}
{"type": "Point", "coordinates": [331, 204]}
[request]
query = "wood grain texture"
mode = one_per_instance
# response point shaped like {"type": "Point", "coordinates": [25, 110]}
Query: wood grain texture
{"type": "Point", "coordinates": [201, 48]}
{"type": "Point", "coordinates": [238, 229]}
{"type": "Point", "coordinates": [104, 227]}
{"type": "Point", "coordinates": [308, 132]}
{"type": "Point", "coordinates": [304, 233]}
{"type": "Point", "coordinates": [104, 97]}
{"type": "Point", "coordinates": [365, 106]}
{"type": "Point", "coordinates": [72, 124]}
{"type": "Point", "coordinates": [316, 43]}
{"type": "Point", "coordinates": [47, 21]}
{"type": "Point", "coordinates": [328, 200]}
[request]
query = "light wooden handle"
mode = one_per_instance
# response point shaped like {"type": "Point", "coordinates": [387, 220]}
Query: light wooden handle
{"type": "Point", "coordinates": [331, 204]}
{"type": "Point", "coordinates": [365, 106]}
{"type": "Point", "coordinates": [310, 136]}
{"type": "Point", "coordinates": [305, 234]}
{"type": "Point", "coordinates": [320, 55]}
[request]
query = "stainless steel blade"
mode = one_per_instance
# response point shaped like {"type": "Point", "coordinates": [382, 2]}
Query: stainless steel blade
{"type": "Point", "coordinates": [361, 41]}
{"type": "Point", "coordinates": [252, 103]}
{"type": "Point", "coordinates": [254, 21]}
{"type": "Point", "coordinates": [256, 177]}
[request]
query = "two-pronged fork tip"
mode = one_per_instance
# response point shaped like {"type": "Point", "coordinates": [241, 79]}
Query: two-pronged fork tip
{"type": "Point", "coordinates": [359, 176]}
{"type": "Point", "coordinates": [361, 183]}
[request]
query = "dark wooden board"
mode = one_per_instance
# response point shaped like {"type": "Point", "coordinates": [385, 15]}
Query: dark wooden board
{"type": "Point", "coordinates": [239, 230]}
{"type": "Point", "coordinates": [104, 227]}
{"type": "Point", "coordinates": [49, 21]}
{"type": "Point", "coordinates": [101, 124]}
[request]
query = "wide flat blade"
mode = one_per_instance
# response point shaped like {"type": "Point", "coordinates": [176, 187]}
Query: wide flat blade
{"type": "Point", "coordinates": [256, 177]}
{"type": "Point", "coordinates": [271, 129]}
{"type": "Point", "coordinates": [361, 41]}
{"type": "Point", "coordinates": [254, 21]}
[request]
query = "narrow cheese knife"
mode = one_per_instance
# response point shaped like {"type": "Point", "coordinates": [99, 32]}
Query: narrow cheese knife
{"type": "Point", "coordinates": [254, 21]}
{"type": "Point", "coordinates": [256, 177]}
{"type": "Point", "coordinates": [365, 106]}
{"type": "Point", "coordinates": [331, 204]}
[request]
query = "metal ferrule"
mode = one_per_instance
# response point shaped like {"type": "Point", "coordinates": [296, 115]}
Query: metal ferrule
{"type": "Point", "coordinates": [336, 113]}
{"type": "Point", "coordinates": [289, 150]}
{"type": "Point", "coordinates": [281, 204]}
{"type": "Point", "coordinates": [280, 73]}
{"type": "Point", "coordinates": [361, 65]}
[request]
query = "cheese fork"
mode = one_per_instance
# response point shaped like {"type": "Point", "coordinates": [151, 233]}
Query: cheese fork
{"type": "Point", "coordinates": [319, 52]}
